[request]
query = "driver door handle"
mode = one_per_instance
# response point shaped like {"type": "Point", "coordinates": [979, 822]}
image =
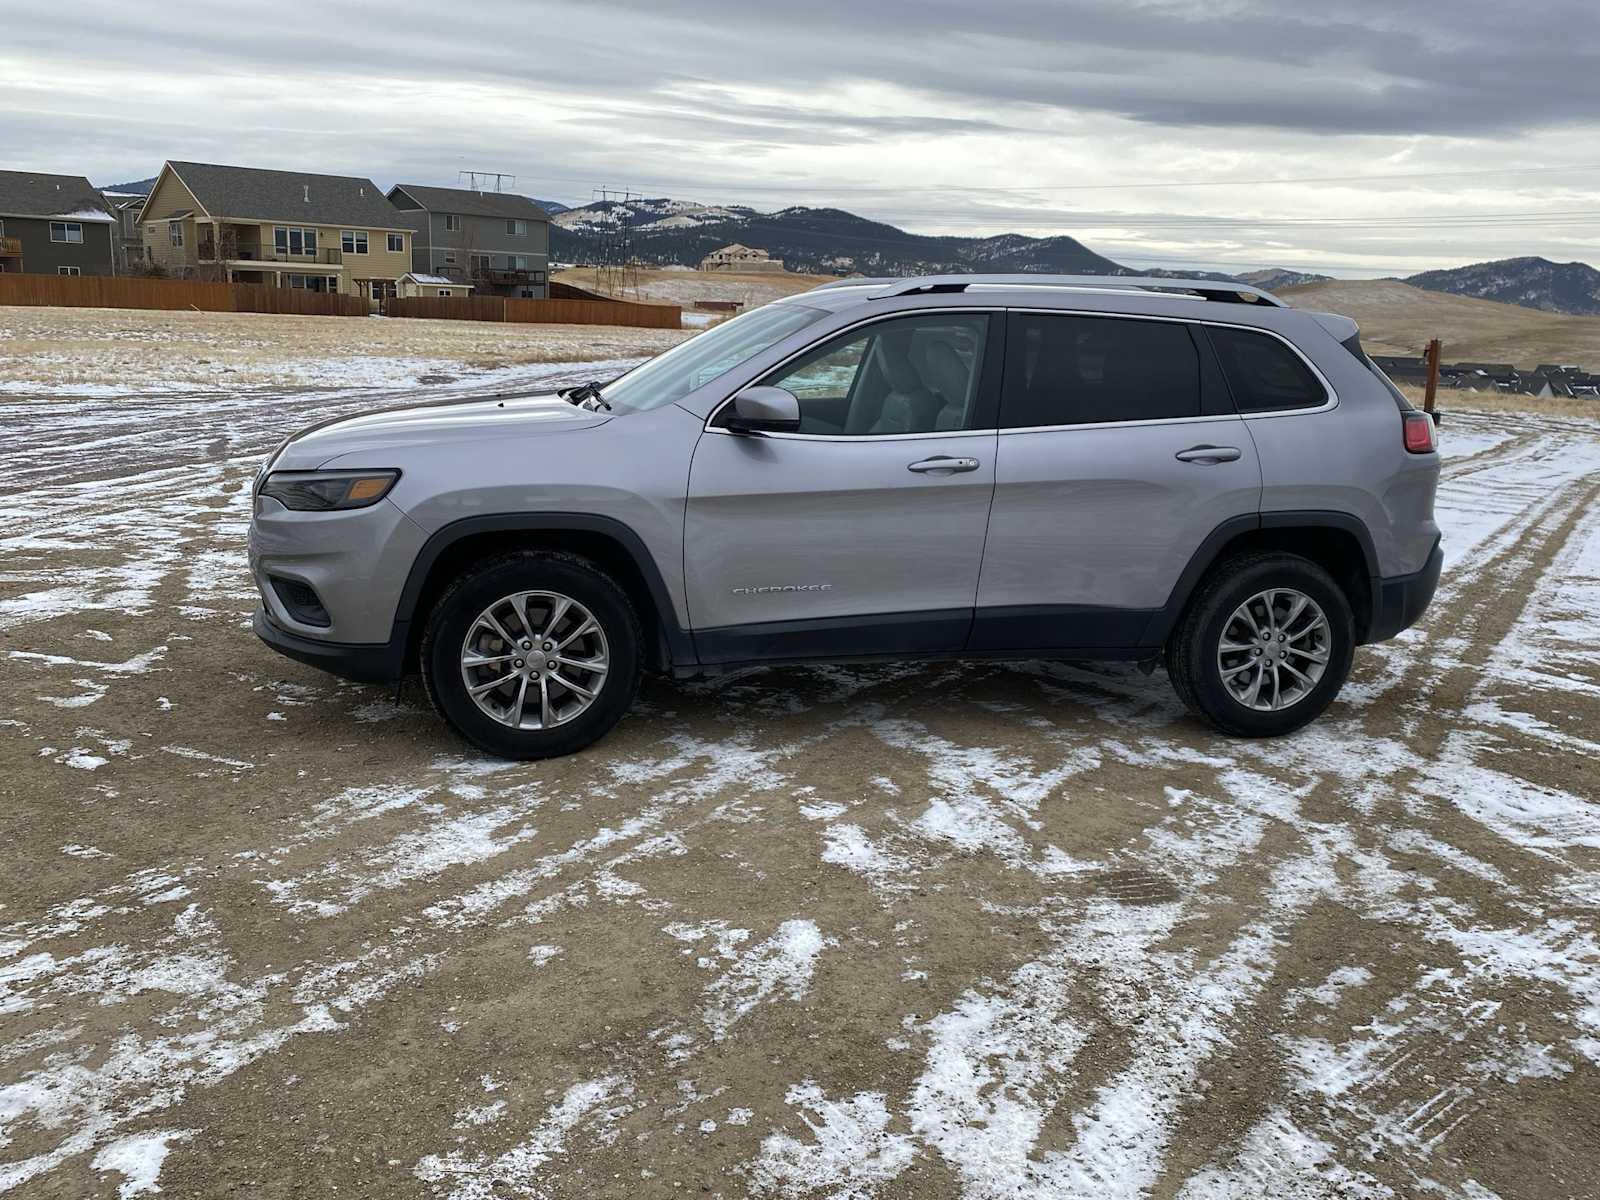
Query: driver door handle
{"type": "Point", "coordinates": [1208, 455]}
{"type": "Point", "coordinates": [943, 464]}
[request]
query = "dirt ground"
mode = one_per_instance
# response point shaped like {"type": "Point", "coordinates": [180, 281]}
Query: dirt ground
{"type": "Point", "coordinates": [969, 930]}
{"type": "Point", "coordinates": [683, 286]}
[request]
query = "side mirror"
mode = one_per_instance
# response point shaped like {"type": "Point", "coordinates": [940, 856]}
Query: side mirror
{"type": "Point", "coordinates": [764, 410]}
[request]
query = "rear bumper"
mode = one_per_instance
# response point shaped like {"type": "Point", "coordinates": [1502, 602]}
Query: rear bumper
{"type": "Point", "coordinates": [380, 662]}
{"type": "Point", "coordinates": [1401, 600]}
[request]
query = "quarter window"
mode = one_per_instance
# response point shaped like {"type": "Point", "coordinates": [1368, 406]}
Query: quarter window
{"type": "Point", "coordinates": [1263, 373]}
{"type": "Point", "coordinates": [353, 241]}
{"type": "Point", "coordinates": [397, 243]}
{"type": "Point", "coordinates": [1071, 370]}
{"type": "Point", "coordinates": [72, 231]}
{"type": "Point", "coordinates": [911, 375]}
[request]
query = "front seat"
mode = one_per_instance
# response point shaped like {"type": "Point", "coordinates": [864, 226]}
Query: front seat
{"type": "Point", "coordinates": [950, 378]}
{"type": "Point", "coordinates": [906, 405]}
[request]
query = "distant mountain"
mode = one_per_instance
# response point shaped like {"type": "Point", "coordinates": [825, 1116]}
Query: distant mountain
{"type": "Point", "coordinates": [1279, 277]}
{"type": "Point", "coordinates": [1572, 287]}
{"type": "Point", "coordinates": [553, 207]}
{"type": "Point", "coordinates": [139, 187]}
{"type": "Point", "coordinates": [811, 240]}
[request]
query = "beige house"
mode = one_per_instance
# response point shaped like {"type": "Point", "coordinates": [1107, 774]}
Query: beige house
{"type": "Point", "coordinates": [740, 258]}
{"type": "Point", "coordinates": [413, 283]}
{"type": "Point", "coordinates": [324, 233]}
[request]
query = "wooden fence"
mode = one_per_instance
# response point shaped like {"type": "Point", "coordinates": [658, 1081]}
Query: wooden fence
{"type": "Point", "coordinates": [137, 291]}
{"type": "Point", "coordinates": [537, 312]}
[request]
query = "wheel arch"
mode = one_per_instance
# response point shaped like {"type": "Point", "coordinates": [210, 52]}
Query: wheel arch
{"type": "Point", "coordinates": [1338, 542]}
{"type": "Point", "coordinates": [604, 541]}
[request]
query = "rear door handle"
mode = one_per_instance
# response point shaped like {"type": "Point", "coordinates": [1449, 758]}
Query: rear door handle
{"type": "Point", "coordinates": [1208, 454]}
{"type": "Point", "coordinates": [943, 464]}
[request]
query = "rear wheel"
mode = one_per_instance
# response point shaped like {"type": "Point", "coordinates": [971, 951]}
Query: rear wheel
{"type": "Point", "coordinates": [1264, 646]}
{"type": "Point", "coordinates": [532, 655]}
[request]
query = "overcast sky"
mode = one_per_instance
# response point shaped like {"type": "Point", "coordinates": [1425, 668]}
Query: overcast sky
{"type": "Point", "coordinates": [1355, 137]}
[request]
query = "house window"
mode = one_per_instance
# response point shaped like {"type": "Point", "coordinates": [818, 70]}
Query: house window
{"type": "Point", "coordinates": [294, 241]}
{"type": "Point", "coordinates": [482, 263]}
{"type": "Point", "coordinates": [449, 256]}
{"type": "Point", "coordinates": [517, 228]}
{"type": "Point", "coordinates": [444, 291]}
{"type": "Point", "coordinates": [68, 271]}
{"type": "Point", "coordinates": [353, 241]}
{"type": "Point", "coordinates": [397, 244]}
{"type": "Point", "coordinates": [518, 262]}
{"type": "Point", "coordinates": [66, 231]}
{"type": "Point", "coordinates": [452, 223]}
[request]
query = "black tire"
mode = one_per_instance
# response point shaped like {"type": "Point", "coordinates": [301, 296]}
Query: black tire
{"type": "Point", "coordinates": [1192, 661]}
{"type": "Point", "coordinates": [482, 585]}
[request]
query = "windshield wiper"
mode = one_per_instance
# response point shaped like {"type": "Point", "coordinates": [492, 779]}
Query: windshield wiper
{"type": "Point", "coordinates": [583, 393]}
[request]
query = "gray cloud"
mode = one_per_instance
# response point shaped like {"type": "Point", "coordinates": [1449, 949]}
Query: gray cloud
{"type": "Point", "coordinates": [938, 114]}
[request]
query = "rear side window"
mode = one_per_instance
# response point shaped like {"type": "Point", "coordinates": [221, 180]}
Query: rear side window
{"type": "Point", "coordinates": [1263, 373]}
{"type": "Point", "coordinates": [1064, 369]}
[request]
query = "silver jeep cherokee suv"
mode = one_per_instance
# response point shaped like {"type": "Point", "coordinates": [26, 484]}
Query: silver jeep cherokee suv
{"type": "Point", "coordinates": [966, 467]}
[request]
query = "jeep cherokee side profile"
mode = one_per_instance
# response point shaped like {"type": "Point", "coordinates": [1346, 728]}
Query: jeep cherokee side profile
{"type": "Point", "coordinates": [1003, 467]}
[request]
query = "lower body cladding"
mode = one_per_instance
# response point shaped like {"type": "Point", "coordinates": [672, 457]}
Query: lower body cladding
{"type": "Point", "coordinates": [1062, 632]}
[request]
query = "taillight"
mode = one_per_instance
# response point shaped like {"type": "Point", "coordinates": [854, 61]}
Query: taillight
{"type": "Point", "coordinates": [1419, 433]}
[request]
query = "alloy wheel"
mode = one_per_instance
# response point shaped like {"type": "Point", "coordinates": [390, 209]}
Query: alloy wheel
{"type": "Point", "coordinates": [534, 660]}
{"type": "Point", "coordinates": [1274, 649]}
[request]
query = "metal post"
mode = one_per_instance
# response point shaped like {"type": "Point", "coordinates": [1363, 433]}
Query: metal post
{"type": "Point", "coordinates": [1432, 388]}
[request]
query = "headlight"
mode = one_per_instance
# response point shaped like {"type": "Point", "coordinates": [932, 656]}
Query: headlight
{"type": "Point", "coordinates": [322, 491]}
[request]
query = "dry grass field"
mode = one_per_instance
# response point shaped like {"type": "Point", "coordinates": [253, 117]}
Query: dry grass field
{"type": "Point", "coordinates": [1397, 318]}
{"type": "Point", "coordinates": [89, 351]}
{"type": "Point", "coordinates": [685, 287]}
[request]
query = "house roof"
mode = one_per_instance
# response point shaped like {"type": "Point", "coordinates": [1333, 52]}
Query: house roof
{"type": "Point", "coordinates": [33, 194]}
{"type": "Point", "coordinates": [470, 203]}
{"type": "Point", "coordinates": [252, 193]}
{"type": "Point", "coordinates": [440, 280]}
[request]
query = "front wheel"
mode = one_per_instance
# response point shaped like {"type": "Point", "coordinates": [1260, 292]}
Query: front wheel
{"type": "Point", "coordinates": [532, 655]}
{"type": "Point", "coordinates": [1264, 646]}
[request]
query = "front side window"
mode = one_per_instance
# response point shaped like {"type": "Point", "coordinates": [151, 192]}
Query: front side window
{"type": "Point", "coordinates": [397, 243]}
{"type": "Point", "coordinates": [1263, 373]}
{"type": "Point", "coordinates": [1065, 369]}
{"type": "Point", "coordinates": [71, 231]}
{"type": "Point", "coordinates": [707, 356]}
{"type": "Point", "coordinates": [907, 375]}
{"type": "Point", "coordinates": [353, 241]}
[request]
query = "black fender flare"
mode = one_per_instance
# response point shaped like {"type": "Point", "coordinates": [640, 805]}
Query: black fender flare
{"type": "Point", "coordinates": [678, 645]}
{"type": "Point", "coordinates": [1165, 618]}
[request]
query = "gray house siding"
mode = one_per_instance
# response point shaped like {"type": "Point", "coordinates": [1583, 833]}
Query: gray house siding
{"type": "Point", "coordinates": [482, 251]}
{"type": "Point", "coordinates": [95, 255]}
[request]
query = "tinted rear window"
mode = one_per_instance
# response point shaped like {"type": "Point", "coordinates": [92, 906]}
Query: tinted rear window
{"type": "Point", "coordinates": [1072, 370]}
{"type": "Point", "coordinates": [1263, 373]}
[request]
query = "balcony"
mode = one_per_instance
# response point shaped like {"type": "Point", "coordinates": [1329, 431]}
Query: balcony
{"type": "Point", "coordinates": [327, 256]}
{"type": "Point", "coordinates": [502, 277]}
{"type": "Point", "coordinates": [10, 247]}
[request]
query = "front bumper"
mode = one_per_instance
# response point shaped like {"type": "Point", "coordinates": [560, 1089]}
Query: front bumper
{"type": "Point", "coordinates": [1401, 600]}
{"type": "Point", "coordinates": [380, 662]}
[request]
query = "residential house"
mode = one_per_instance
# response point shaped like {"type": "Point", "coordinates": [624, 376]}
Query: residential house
{"type": "Point", "coordinates": [54, 225]}
{"type": "Point", "coordinates": [415, 283]}
{"type": "Point", "coordinates": [496, 241]}
{"type": "Point", "coordinates": [325, 233]}
{"type": "Point", "coordinates": [740, 258]}
{"type": "Point", "coordinates": [1403, 368]}
{"type": "Point", "coordinates": [129, 237]}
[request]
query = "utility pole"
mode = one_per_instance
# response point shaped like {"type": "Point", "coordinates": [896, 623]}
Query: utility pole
{"type": "Point", "coordinates": [500, 178]}
{"type": "Point", "coordinates": [616, 271]}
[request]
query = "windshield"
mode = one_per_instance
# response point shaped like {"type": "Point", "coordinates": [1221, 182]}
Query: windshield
{"type": "Point", "coordinates": [672, 376]}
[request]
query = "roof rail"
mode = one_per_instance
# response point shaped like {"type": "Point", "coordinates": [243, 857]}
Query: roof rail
{"type": "Point", "coordinates": [1208, 289]}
